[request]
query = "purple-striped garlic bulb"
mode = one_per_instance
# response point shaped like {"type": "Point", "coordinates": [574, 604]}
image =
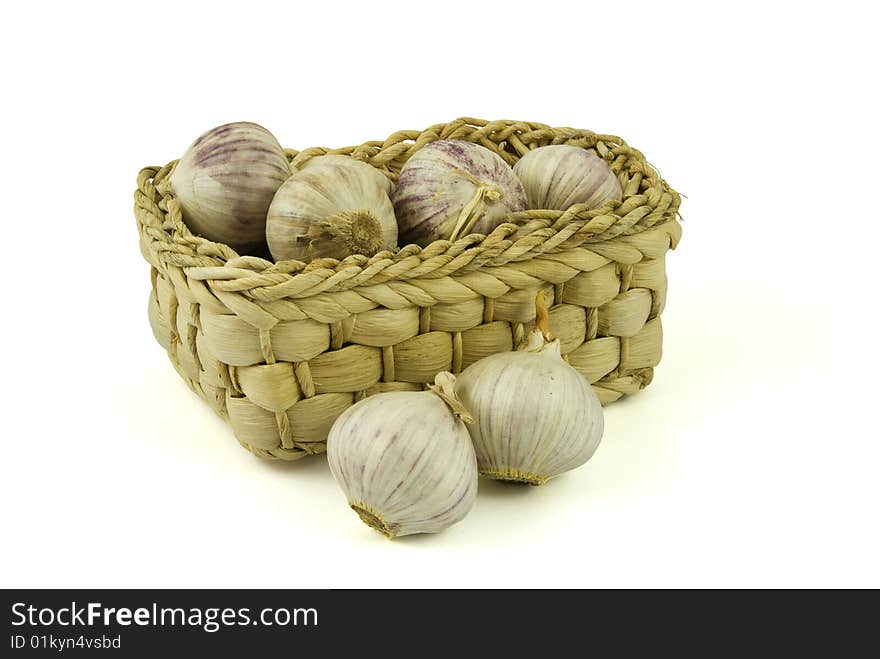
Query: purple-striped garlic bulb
{"type": "Point", "coordinates": [560, 175]}
{"type": "Point", "coordinates": [451, 188]}
{"type": "Point", "coordinates": [225, 182]}
{"type": "Point", "coordinates": [536, 417]}
{"type": "Point", "coordinates": [404, 459]}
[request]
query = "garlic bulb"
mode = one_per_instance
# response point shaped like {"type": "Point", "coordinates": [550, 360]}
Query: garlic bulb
{"type": "Point", "coordinates": [558, 176]}
{"type": "Point", "coordinates": [225, 182]}
{"type": "Point", "coordinates": [404, 459]}
{"type": "Point", "coordinates": [347, 161]}
{"type": "Point", "coordinates": [451, 188]}
{"type": "Point", "coordinates": [536, 416]}
{"type": "Point", "coordinates": [330, 211]}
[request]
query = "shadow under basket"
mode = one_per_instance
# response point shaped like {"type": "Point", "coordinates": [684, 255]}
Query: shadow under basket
{"type": "Point", "coordinates": [280, 350]}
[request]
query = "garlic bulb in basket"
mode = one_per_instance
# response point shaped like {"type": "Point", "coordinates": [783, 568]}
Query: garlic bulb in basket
{"type": "Point", "coordinates": [451, 188]}
{"type": "Point", "coordinates": [330, 211]}
{"type": "Point", "coordinates": [535, 416]}
{"type": "Point", "coordinates": [560, 175]}
{"type": "Point", "coordinates": [348, 161]}
{"type": "Point", "coordinates": [404, 459]}
{"type": "Point", "coordinates": [225, 182]}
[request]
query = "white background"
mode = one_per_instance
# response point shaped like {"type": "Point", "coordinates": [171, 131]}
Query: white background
{"type": "Point", "coordinates": [751, 461]}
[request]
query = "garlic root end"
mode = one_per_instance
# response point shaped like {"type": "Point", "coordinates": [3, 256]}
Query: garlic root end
{"type": "Point", "coordinates": [360, 230]}
{"type": "Point", "coordinates": [372, 519]}
{"type": "Point", "coordinates": [514, 476]}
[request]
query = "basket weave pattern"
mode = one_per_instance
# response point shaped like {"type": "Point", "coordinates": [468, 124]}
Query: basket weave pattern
{"type": "Point", "coordinates": [281, 349]}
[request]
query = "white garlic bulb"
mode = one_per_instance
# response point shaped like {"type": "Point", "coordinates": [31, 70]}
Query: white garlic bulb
{"type": "Point", "coordinates": [535, 416]}
{"type": "Point", "coordinates": [348, 161]}
{"type": "Point", "coordinates": [225, 182]}
{"type": "Point", "coordinates": [331, 211]}
{"type": "Point", "coordinates": [404, 459]}
{"type": "Point", "coordinates": [451, 188]}
{"type": "Point", "coordinates": [560, 175]}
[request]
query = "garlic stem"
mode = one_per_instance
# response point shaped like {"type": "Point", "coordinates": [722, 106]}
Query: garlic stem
{"type": "Point", "coordinates": [542, 316]}
{"type": "Point", "coordinates": [485, 196]}
{"type": "Point", "coordinates": [444, 387]}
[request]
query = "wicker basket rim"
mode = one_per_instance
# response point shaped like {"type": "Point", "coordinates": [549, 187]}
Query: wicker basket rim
{"type": "Point", "coordinates": [527, 235]}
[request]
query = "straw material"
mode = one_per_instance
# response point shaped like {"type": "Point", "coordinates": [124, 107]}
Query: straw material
{"type": "Point", "coordinates": [281, 349]}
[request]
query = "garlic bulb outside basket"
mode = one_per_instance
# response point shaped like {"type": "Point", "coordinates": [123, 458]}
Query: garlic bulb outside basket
{"type": "Point", "coordinates": [450, 188]}
{"type": "Point", "coordinates": [331, 211]}
{"type": "Point", "coordinates": [535, 416]}
{"type": "Point", "coordinates": [558, 176]}
{"type": "Point", "coordinates": [225, 181]}
{"type": "Point", "coordinates": [405, 460]}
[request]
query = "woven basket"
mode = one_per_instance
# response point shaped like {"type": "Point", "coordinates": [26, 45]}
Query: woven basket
{"type": "Point", "coordinates": [281, 349]}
